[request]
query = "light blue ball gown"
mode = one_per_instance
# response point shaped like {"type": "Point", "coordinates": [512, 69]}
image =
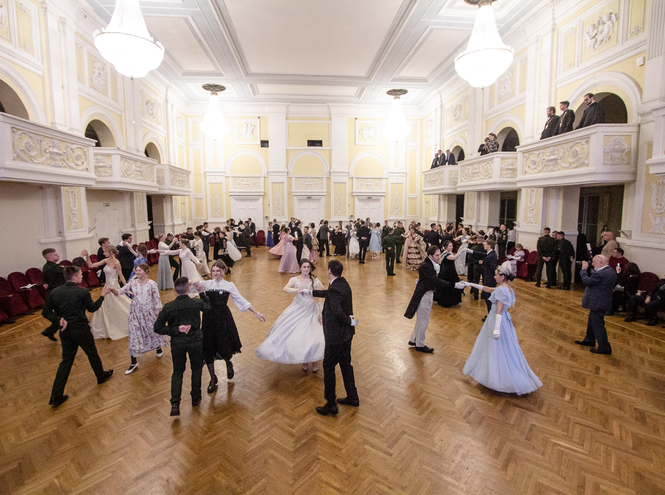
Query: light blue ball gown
{"type": "Point", "coordinates": [500, 364]}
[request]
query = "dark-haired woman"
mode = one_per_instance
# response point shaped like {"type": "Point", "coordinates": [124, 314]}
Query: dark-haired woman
{"type": "Point", "coordinates": [220, 334]}
{"type": "Point", "coordinates": [448, 272]}
{"type": "Point", "coordinates": [497, 361]}
{"type": "Point", "coordinates": [297, 334]}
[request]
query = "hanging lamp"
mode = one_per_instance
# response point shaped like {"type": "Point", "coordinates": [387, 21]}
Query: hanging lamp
{"type": "Point", "coordinates": [486, 57]}
{"type": "Point", "coordinates": [214, 125]}
{"type": "Point", "coordinates": [126, 42]}
{"type": "Point", "coordinates": [396, 127]}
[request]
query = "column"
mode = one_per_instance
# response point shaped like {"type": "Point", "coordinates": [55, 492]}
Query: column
{"type": "Point", "coordinates": [277, 171]}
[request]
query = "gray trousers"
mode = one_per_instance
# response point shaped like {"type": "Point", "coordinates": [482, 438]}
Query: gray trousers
{"type": "Point", "coordinates": [422, 319]}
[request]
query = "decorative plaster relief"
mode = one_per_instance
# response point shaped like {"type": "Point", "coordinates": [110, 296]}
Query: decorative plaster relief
{"type": "Point", "coordinates": [103, 166]}
{"type": "Point", "coordinates": [130, 169]}
{"type": "Point", "coordinates": [369, 184]}
{"type": "Point", "coordinates": [73, 212]}
{"type": "Point", "coordinates": [657, 216]}
{"type": "Point", "coordinates": [278, 200]}
{"type": "Point", "coordinates": [248, 131]}
{"type": "Point", "coordinates": [160, 177]}
{"type": "Point", "coordinates": [509, 168]}
{"type": "Point", "coordinates": [4, 21]}
{"type": "Point", "coordinates": [506, 85]}
{"type": "Point", "coordinates": [150, 108]}
{"type": "Point", "coordinates": [80, 65]}
{"type": "Point", "coordinates": [600, 33]}
{"type": "Point", "coordinates": [24, 22]}
{"type": "Point", "coordinates": [35, 148]}
{"type": "Point", "coordinates": [139, 200]}
{"type": "Point", "coordinates": [396, 200]}
{"type": "Point", "coordinates": [470, 206]}
{"type": "Point", "coordinates": [457, 113]}
{"type": "Point", "coordinates": [367, 132]}
{"type": "Point", "coordinates": [569, 48]}
{"type": "Point", "coordinates": [176, 208]}
{"type": "Point", "coordinates": [429, 128]}
{"type": "Point", "coordinates": [98, 76]}
{"type": "Point", "coordinates": [454, 177]}
{"type": "Point", "coordinates": [178, 126]}
{"type": "Point", "coordinates": [308, 184]}
{"type": "Point", "coordinates": [565, 156]}
{"type": "Point", "coordinates": [246, 183]}
{"type": "Point", "coordinates": [339, 200]}
{"type": "Point", "coordinates": [531, 205]}
{"type": "Point", "coordinates": [616, 150]}
{"type": "Point", "coordinates": [435, 179]}
{"type": "Point", "coordinates": [216, 205]}
{"type": "Point", "coordinates": [434, 207]}
{"type": "Point", "coordinates": [476, 171]}
{"type": "Point", "coordinates": [179, 179]}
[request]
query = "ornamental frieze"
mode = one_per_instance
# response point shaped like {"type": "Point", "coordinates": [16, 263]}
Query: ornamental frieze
{"type": "Point", "coordinates": [308, 184]}
{"type": "Point", "coordinates": [435, 179]}
{"type": "Point", "coordinates": [476, 171]}
{"type": "Point", "coordinates": [130, 169]}
{"type": "Point", "coordinates": [179, 179]}
{"type": "Point", "coordinates": [34, 148]}
{"type": "Point", "coordinates": [566, 156]}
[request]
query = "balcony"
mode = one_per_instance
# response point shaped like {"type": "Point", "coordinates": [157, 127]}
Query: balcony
{"type": "Point", "coordinates": [34, 153]}
{"type": "Point", "coordinates": [603, 153]}
{"type": "Point", "coordinates": [172, 180]}
{"type": "Point", "coordinates": [124, 171]}
{"type": "Point", "coordinates": [441, 180]}
{"type": "Point", "coordinates": [493, 172]}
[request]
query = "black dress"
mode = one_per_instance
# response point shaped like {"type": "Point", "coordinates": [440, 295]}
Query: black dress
{"type": "Point", "coordinates": [339, 241]}
{"type": "Point", "coordinates": [448, 297]}
{"type": "Point", "coordinates": [220, 335]}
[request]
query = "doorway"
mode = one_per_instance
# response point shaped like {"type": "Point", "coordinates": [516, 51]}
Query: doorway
{"type": "Point", "coordinates": [151, 231]}
{"type": "Point", "coordinates": [244, 207]}
{"type": "Point", "coordinates": [370, 207]}
{"type": "Point", "coordinates": [309, 209]}
{"type": "Point", "coordinates": [459, 208]}
{"type": "Point", "coordinates": [508, 208]}
{"type": "Point", "coordinates": [600, 209]}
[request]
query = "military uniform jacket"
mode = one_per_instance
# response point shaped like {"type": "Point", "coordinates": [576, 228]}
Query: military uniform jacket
{"type": "Point", "coordinates": [547, 246]}
{"type": "Point", "coordinates": [183, 310]}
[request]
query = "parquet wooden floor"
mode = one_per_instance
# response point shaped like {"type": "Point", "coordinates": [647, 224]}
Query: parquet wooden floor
{"type": "Point", "coordinates": [597, 426]}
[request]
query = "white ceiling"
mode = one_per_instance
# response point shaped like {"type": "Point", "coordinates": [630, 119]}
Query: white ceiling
{"type": "Point", "coordinates": [323, 51]}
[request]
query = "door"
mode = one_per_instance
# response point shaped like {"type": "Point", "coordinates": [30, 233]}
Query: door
{"type": "Point", "coordinates": [309, 210]}
{"type": "Point", "coordinates": [371, 208]}
{"type": "Point", "coordinates": [107, 224]}
{"type": "Point", "coordinates": [244, 207]}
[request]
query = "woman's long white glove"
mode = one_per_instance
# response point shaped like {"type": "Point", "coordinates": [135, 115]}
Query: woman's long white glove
{"type": "Point", "coordinates": [475, 286]}
{"type": "Point", "coordinates": [497, 326]}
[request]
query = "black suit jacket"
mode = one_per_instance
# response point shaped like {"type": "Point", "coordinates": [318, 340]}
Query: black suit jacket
{"type": "Point", "coordinates": [599, 287]}
{"type": "Point", "coordinates": [435, 162]}
{"type": "Point", "coordinates": [433, 238]}
{"type": "Point", "coordinates": [489, 268]}
{"type": "Point", "coordinates": [566, 250]}
{"type": "Point", "coordinates": [592, 115]}
{"type": "Point", "coordinates": [364, 232]}
{"type": "Point", "coordinates": [125, 257]}
{"type": "Point", "coordinates": [550, 127]}
{"type": "Point", "coordinates": [450, 159]}
{"type": "Point", "coordinates": [337, 309]}
{"type": "Point", "coordinates": [566, 121]}
{"type": "Point", "coordinates": [427, 281]}
{"type": "Point", "coordinates": [252, 228]}
{"type": "Point", "coordinates": [275, 233]}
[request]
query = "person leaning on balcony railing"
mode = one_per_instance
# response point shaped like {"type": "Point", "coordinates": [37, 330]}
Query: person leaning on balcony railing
{"type": "Point", "coordinates": [566, 119]}
{"type": "Point", "coordinates": [483, 148]}
{"type": "Point", "coordinates": [493, 144]}
{"type": "Point", "coordinates": [551, 124]}
{"type": "Point", "coordinates": [593, 114]}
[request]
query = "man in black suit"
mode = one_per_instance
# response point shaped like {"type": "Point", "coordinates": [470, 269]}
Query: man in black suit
{"type": "Point", "coordinates": [566, 259]}
{"type": "Point", "coordinates": [338, 330]}
{"type": "Point", "coordinates": [551, 124]}
{"type": "Point", "coordinates": [449, 159]}
{"type": "Point", "coordinates": [126, 255]}
{"type": "Point", "coordinates": [489, 265]}
{"type": "Point", "coordinates": [364, 234]}
{"type": "Point", "coordinates": [297, 241]}
{"type": "Point", "coordinates": [252, 231]}
{"type": "Point", "coordinates": [436, 162]}
{"type": "Point", "coordinates": [172, 261]}
{"type": "Point", "coordinates": [432, 237]}
{"type": "Point", "coordinates": [546, 247]}
{"type": "Point", "coordinates": [593, 114]}
{"type": "Point", "coordinates": [598, 300]}
{"type": "Point", "coordinates": [275, 231]}
{"type": "Point", "coordinates": [323, 235]}
{"type": "Point", "coordinates": [653, 302]}
{"type": "Point", "coordinates": [423, 296]}
{"type": "Point", "coordinates": [566, 119]}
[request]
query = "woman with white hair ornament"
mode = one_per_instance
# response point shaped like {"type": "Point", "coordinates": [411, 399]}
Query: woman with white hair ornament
{"type": "Point", "coordinates": [497, 361]}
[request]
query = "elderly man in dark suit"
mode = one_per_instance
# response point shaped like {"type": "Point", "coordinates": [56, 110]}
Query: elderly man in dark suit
{"type": "Point", "coordinates": [338, 331]}
{"type": "Point", "coordinates": [598, 300]}
{"type": "Point", "coordinates": [423, 296]}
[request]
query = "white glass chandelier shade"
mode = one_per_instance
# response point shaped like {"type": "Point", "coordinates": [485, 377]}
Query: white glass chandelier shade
{"type": "Point", "coordinates": [396, 127]}
{"type": "Point", "coordinates": [486, 57]}
{"type": "Point", "coordinates": [214, 125]}
{"type": "Point", "coordinates": [126, 42]}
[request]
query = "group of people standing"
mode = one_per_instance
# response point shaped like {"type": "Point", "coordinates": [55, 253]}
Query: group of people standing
{"type": "Point", "coordinates": [560, 124]}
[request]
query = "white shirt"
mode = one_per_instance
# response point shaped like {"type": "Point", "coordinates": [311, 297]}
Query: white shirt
{"type": "Point", "coordinates": [230, 287]}
{"type": "Point", "coordinates": [437, 267]}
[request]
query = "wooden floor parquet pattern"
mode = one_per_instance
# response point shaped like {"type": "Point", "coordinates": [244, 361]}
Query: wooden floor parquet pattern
{"type": "Point", "coordinates": [597, 426]}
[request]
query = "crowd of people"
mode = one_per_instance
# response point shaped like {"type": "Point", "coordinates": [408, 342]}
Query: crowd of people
{"type": "Point", "coordinates": [308, 332]}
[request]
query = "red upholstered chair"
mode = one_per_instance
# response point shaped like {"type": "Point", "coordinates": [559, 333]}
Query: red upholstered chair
{"type": "Point", "coordinates": [522, 266]}
{"type": "Point", "coordinates": [153, 258]}
{"type": "Point", "coordinates": [3, 316]}
{"type": "Point", "coordinates": [65, 263]}
{"type": "Point", "coordinates": [89, 276]}
{"type": "Point", "coordinates": [10, 302]}
{"type": "Point", "coordinates": [36, 276]}
{"type": "Point", "coordinates": [511, 251]}
{"type": "Point", "coordinates": [260, 238]}
{"type": "Point", "coordinates": [531, 261]}
{"type": "Point", "coordinates": [31, 297]}
{"type": "Point", "coordinates": [647, 282]}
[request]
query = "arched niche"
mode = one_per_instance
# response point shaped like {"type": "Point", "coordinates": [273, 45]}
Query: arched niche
{"type": "Point", "coordinates": [368, 164]}
{"type": "Point", "coordinates": [100, 132]}
{"type": "Point", "coordinates": [10, 102]}
{"type": "Point", "coordinates": [613, 106]}
{"type": "Point", "coordinates": [308, 164]}
{"type": "Point", "coordinates": [151, 151]}
{"type": "Point", "coordinates": [245, 165]}
{"type": "Point", "coordinates": [618, 83]}
{"type": "Point", "coordinates": [458, 151]}
{"type": "Point", "coordinates": [508, 139]}
{"type": "Point", "coordinates": [25, 93]}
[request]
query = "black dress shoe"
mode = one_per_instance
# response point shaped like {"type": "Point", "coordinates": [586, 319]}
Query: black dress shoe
{"type": "Point", "coordinates": [212, 386]}
{"type": "Point", "coordinates": [327, 410]}
{"type": "Point", "coordinates": [425, 349]}
{"type": "Point", "coordinates": [196, 402]}
{"type": "Point", "coordinates": [629, 319]}
{"type": "Point", "coordinates": [598, 351]}
{"type": "Point", "coordinates": [229, 370]}
{"type": "Point", "coordinates": [652, 322]}
{"type": "Point", "coordinates": [175, 409]}
{"type": "Point", "coordinates": [564, 288]}
{"type": "Point", "coordinates": [412, 344]}
{"type": "Point", "coordinates": [49, 336]}
{"type": "Point", "coordinates": [538, 285]}
{"type": "Point", "coordinates": [585, 342]}
{"type": "Point", "coordinates": [56, 401]}
{"type": "Point", "coordinates": [348, 402]}
{"type": "Point", "coordinates": [483, 319]}
{"type": "Point", "coordinates": [105, 377]}
{"type": "Point", "coordinates": [398, 262]}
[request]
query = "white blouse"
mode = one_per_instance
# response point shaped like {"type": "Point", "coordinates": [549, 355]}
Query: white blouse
{"type": "Point", "coordinates": [225, 286]}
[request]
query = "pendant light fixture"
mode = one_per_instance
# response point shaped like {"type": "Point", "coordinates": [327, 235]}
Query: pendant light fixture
{"type": "Point", "coordinates": [486, 57]}
{"type": "Point", "coordinates": [396, 127]}
{"type": "Point", "coordinates": [126, 42]}
{"type": "Point", "coordinates": [214, 125]}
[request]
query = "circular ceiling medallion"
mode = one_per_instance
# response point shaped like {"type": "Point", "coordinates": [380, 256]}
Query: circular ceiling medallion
{"type": "Point", "coordinates": [397, 92]}
{"type": "Point", "coordinates": [479, 2]}
{"type": "Point", "coordinates": [214, 88]}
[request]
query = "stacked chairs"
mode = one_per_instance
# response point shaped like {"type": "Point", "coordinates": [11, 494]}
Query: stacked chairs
{"type": "Point", "coordinates": [10, 302]}
{"type": "Point", "coordinates": [31, 296]}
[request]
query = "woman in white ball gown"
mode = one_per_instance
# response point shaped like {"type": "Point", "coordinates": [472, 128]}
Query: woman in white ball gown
{"type": "Point", "coordinates": [297, 334]}
{"type": "Point", "coordinates": [497, 361]}
{"type": "Point", "coordinates": [111, 321]}
{"type": "Point", "coordinates": [188, 262]}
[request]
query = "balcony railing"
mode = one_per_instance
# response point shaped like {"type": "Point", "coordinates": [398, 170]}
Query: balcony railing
{"type": "Point", "coordinates": [493, 172]}
{"type": "Point", "coordinates": [441, 180]}
{"type": "Point", "coordinates": [124, 171]}
{"type": "Point", "coordinates": [36, 153]}
{"type": "Point", "coordinates": [172, 180]}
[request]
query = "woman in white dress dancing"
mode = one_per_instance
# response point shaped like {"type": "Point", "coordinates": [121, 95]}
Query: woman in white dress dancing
{"type": "Point", "coordinates": [188, 262]}
{"type": "Point", "coordinates": [197, 248]}
{"type": "Point", "coordinates": [354, 246]}
{"type": "Point", "coordinates": [164, 273]}
{"type": "Point", "coordinates": [111, 321]}
{"type": "Point", "coordinates": [297, 334]}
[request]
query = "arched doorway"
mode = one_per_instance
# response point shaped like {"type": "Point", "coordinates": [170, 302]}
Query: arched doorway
{"type": "Point", "coordinates": [458, 151]}
{"type": "Point", "coordinates": [508, 139]}
{"type": "Point", "coordinates": [614, 109]}
{"type": "Point", "coordinates": [10, 102]}
{"type": "Point", "coordinates": [100, 132]}
{"type": "Point", "coordinates": [151, 151]}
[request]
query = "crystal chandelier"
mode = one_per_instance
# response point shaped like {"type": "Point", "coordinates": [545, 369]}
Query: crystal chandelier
{"type": "Point", "coordinates": [397, 127]}
{"type": "Point", "coordinates": [126, 42]}
{"type": "Point", "coordinates": [214, 125]}
{"type": "Point", "coordinates": [486, 57]}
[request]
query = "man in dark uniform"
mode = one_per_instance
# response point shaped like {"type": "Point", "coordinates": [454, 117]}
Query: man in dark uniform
{"type": "Point", "coordinates": [593, 114]}
{"type": "Point", "coordinates": [275, 231]}
{"type": "Point", "coordinates": [103, 243]}
{"type": "Point", "coordinates": [363, 235]}
{"type": "Point", "coordinates": [297, 239]}
{"type": "Point", "coordinates": [385, 230]}
{"type": "Point", "coordinates": [66, 305]}
{"type": "Point", "coordinates": [247, 239]}
{"type": "Point", "coordinates": [546, 246]}
{"type": "Point", "coordinates": [181, 320]}
{"type": "Point", "coordinates": [323, 234]}
{"type": "Point", "coordinates": [502, 240]}
{"type": "Point", "coordinates": [566, 119]}
{"type": "Point", "coordinates": [389, 243]}
{"type": "Point", "coordinates": [551, 124]}
{"type": "Point", "coordinates": [488, 265]}
{"type": "Point", "coordinates": [53, 278]}
{"type": "Point", "coordinates": [432, 237]}
{"type": "Point", "coordinates": [399, 232]}
{"type": "Point", "coordinates": [125, 256]}
{"type": "Point", "coordinates": [566, 259]}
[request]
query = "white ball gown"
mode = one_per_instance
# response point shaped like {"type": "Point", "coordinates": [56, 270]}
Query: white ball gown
{"type": "Point", "coordinates": [296, 336]}
{"type": "Point", "coordinates": [460, 261]}
{"type": "Point", "coordinates": [354, 246]}
{"type": "Point", "coordinates": [111, 320]}
{"type": "Point", "coordinates": [500, 364]}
